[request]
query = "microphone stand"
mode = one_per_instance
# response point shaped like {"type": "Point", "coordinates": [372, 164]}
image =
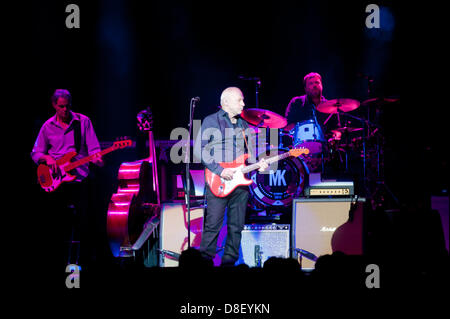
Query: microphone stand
{"type": "Point", "coordinates": [187, 160]}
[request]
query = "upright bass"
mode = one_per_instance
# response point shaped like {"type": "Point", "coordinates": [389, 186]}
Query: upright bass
{"type": "Point", "coordinates": [133, 211]}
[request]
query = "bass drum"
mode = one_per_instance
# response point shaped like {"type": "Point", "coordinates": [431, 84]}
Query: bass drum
{"type": "Point", "coordinates": [280, 183]}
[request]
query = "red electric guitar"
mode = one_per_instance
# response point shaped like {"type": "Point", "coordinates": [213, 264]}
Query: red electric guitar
{"type": "Point", "coordinates": [221, 187]}
{"type": "Point", "coordinates": [50, 180]}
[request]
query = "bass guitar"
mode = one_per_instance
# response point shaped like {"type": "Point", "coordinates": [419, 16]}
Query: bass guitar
{"type": "Point", "coordinates": [50, 180]}
{"type": "Point", "coordinates": [221, 187]}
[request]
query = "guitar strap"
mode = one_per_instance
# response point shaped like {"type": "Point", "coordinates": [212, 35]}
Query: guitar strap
{"type": "Point", "coordinates": [77, 135]}
{"type": "Point", "coordinates": [245, 140]}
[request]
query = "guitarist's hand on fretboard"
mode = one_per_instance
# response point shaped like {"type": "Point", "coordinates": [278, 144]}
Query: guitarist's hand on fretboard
{"type": "Point", "coordinates": [98, 160]}
{"type": "Point", "coordinates": [262, 165]}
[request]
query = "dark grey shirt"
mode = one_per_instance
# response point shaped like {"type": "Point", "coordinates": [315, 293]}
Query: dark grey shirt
{"type": "Point", "coordinates": [302, 108]}
{"type": "Point", "coordinates": [222, 141]}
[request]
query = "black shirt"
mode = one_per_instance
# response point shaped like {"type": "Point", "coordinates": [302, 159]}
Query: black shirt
{"type": "Point", "coordinates": [302, 108]}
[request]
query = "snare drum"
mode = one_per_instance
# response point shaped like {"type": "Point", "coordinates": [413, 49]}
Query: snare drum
{"type": "Point", "coordinates": [309, 134]}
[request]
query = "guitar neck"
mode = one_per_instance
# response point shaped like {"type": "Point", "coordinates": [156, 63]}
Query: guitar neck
{"type": "Point", "coordinates": [269, 161]}
{"type": "Point", "coordinates": [89, 158]}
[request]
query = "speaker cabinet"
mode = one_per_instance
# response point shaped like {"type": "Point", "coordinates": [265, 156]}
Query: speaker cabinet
{"type": "Point", "coordinates": [173, 231]}
{"type": "Point", "coordinates": [197, 184]}
{"type": "Point", "coordinates": [260, 242]}
{"type": "Point", "coordinates": [324, 225]}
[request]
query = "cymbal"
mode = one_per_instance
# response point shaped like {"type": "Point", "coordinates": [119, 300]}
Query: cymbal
{"type": "Point", "coordinates": [379, 101]}
{"type": "Point", "coordinates": [263, 118]}
{"type": "Point", "coordinates": [338, 105]}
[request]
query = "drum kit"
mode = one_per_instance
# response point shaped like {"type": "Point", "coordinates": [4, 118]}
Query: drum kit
{"type": "Point", "coordinates": [332, 148]}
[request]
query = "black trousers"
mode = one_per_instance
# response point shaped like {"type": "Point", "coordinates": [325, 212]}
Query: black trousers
{"type": "Point", "coordinates": [70, 222]}
{"type": "Point", "coordinates": [235, 204]}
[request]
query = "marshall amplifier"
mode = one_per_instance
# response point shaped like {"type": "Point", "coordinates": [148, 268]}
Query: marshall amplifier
{"type": "Point", "coordinates": [321, 226]}
{"type": "Point", "coordinates": [260, 242]}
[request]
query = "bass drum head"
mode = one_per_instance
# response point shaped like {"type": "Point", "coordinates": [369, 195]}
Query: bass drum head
{"type": "Point", "coordinates": [280, 183]}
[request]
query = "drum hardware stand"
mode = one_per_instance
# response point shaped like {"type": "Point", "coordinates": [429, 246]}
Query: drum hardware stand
{"type": "Point", "coordinates": [263, 117]}
{"type": "Point", "coordinates": [257, 89]}
{"type": "Point", "coordinates": [380, 182]}
{"type": "Point", "coordinates": [315, 121]}
{"type": "Point", "coordinates": [317, 126]}
{"type": "Point", "coordinates": [364, 123]}
{"type": "Point", "coordinates": [187, 160]}
{"type": "Point", "coordinates": [257, 86]}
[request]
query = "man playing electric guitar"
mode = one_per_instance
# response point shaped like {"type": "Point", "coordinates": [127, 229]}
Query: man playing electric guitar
{"type": "Point", "coordinates": [224, 137]}
{"type": "Point", "coordinates": [63, 133]}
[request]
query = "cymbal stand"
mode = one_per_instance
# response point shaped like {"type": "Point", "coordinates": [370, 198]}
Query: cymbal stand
{"type": "Point", "coordinates": [380, 162]}
{"type": "Point", "coordinates": [380, 183]}
{"type": "Point", "coordinates": [364, 123]}
{"type": "Point", "coordinates": [257, 81]}
{"type": "Point", "coordinates": [257, 88]}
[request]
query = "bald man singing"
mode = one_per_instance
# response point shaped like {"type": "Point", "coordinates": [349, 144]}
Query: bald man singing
{"type": "Point", "coordinates": [224, 136]}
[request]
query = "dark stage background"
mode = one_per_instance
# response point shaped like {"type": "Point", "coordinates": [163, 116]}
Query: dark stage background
{"type": "Point", "coordinates": [128, 55]}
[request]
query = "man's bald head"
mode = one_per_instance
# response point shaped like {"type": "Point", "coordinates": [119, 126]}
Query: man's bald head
{"type": "Point", "coordinates": [232, 101]}
{"type": "Point", "coordinates": [229, 93]}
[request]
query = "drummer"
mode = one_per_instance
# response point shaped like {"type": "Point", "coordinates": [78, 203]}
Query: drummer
{"type": "Point", "coordinates": [302, 108]}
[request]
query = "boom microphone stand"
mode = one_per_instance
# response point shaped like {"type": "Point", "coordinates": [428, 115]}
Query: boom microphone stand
{"type": "Point", "coordinates": [187, 160]}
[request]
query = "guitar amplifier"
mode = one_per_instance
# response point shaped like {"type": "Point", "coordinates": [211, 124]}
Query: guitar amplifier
{"type": "Point", "coordinates": [173, 231]}
{"type": "Point", "coordinates": [197, 184]}
{"type": "Point", "coordinates": [330, 188]}
{"type": "Point", "coordinates": [321, 226]}
{"type": "Point", "coordinates": [260, 242]}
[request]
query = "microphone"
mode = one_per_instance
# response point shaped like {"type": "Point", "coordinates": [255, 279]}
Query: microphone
{"type": "Point", "coordinates": [307, 254]}
{"type": "Point", "coordinates": [196, 99]}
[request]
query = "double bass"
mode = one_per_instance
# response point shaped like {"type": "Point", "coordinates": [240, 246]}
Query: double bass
{"type": "Point", "coordinates": [133, 211]}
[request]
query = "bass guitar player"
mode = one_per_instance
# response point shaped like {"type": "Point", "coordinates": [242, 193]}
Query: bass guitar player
{"type": "Point", "coordinates": [67, 132]}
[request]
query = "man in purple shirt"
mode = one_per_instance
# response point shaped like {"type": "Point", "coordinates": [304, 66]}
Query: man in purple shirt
{"type": "Point", "coordinates": [59, 135]}
{"type": "Point", "coordinates": [68, 206]}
